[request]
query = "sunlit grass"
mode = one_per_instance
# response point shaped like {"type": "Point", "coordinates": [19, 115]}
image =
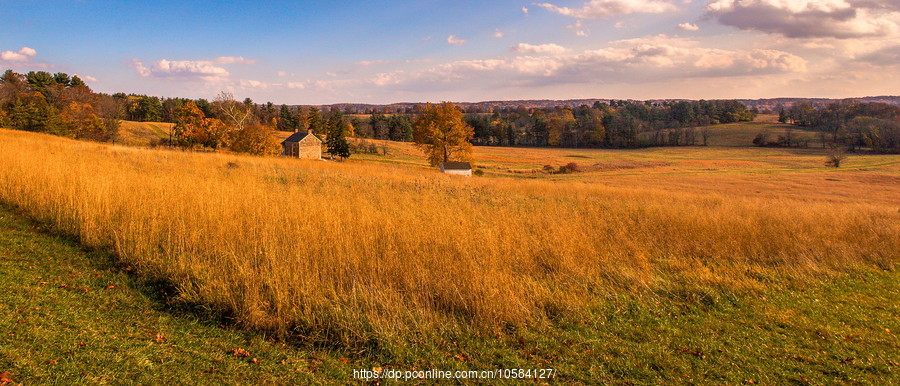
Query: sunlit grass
{"type": "Point", "coordinates": [365, 252]}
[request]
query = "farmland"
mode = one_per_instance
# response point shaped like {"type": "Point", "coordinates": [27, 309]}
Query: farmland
{"type": "Point", "coordinates": [390, 263]}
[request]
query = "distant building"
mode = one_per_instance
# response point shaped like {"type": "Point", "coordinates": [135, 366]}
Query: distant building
{"type": "Point", "coordinates": [302, 145]}
{"type": "Point", "coordinates": [458, 168]}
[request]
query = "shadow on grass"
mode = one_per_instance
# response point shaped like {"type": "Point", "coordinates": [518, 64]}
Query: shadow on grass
{"type": "Point", "coordinates": [165, 296]}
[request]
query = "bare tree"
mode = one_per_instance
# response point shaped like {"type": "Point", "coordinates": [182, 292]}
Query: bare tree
{"type": "Point", "coordinates": [835, 156]}
{"type": "Point", "coordinates": [234, 113]}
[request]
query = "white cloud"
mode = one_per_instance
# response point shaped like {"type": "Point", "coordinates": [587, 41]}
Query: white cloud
{"type": "Point", "coordinates": [453, 40]}
{"type": "Point", "coordinates": [281, 73]}
{"type": "Point", "coordinates": [595, 9]}
{"type": "Point", "coordinates": [248, 83]}
{"type": "Point", "coordinates": [87, 78]}
{"type": "Point", "coordinates": [234, 59]}
{"type": "Point", "coordinates": [24, 54]}
{"type": "Point", "coordinates": [525, 10]}
{"type": "Point", "coordinates": [619, 24]}
{"type": "Point", "coordinates": [688, 27]}
{"type": "Point", "coordinates": [498, 33]}
{"type": "Point", "coordinates": [28, 51]}
{"type": "Point", "coordinates": [810, 18]}
{"type": "Point", "coordinates": [181, 70]}
{"type": "Point", "coordinates": [525, 48]}
{"type": "Point", "coordinates": [296, 85]}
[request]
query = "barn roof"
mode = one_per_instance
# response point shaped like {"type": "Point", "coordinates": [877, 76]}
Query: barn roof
{"type": "Point", "coordinates": [299, 136]}
{"type": "Point", "coordinates": [456, 166]}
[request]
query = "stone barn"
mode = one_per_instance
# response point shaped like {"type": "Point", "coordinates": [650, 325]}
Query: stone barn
{"type": "Point", "coordinates": [458, 168]}
{"type": "Point", "coordinates": [302, 145]}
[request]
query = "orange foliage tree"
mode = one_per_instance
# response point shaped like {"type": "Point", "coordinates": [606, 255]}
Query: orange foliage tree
{"type": "Point", "coordinates": [193, 128]}
{"type": "Point", "coordinates": [441, 133]}
{"type": "Point", "coordinates": [81, 122]}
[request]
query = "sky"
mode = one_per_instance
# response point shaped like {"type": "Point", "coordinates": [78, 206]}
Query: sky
{"type": "Point", "coordinates": [323, 52]}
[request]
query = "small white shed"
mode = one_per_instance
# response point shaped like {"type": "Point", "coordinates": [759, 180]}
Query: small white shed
{"type": "Point", "coordinates": [458, 168]}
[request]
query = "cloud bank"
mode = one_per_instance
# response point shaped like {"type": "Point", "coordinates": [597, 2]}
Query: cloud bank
{"type": "Point", "coordinates": [842, 19]}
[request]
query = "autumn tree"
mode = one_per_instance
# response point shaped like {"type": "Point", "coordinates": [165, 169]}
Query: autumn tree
{"type": "Point", "coordinates": [193, 128]}
{"type": "Point", "coordinates": [558, 122]}
{"type": "Point", "coordinates": [254, 139]}
{"type": "Point", "coordinates": [441, 133]}
{"type": "Point", "coordinates": [81, 122]}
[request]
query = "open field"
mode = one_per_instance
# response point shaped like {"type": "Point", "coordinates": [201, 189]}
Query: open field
{"type": "Point", "coordinates": [72, 317]}
{"type": "Point", "coordinates": [398, 263]}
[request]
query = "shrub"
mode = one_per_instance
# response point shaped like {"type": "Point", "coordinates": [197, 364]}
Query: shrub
{"type": "Point", "coordinates": [761, 139]}
{"type": "Point", "coordinates": [835, 156]}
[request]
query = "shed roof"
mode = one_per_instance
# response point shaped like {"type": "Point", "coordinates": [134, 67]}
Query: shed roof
{"type": "Point", "coordinates": [299, 136]}
{"type": "Point", "coordinates": [456, 166]}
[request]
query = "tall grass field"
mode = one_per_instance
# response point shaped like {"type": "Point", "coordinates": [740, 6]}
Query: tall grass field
{"type": "Point", "coordinates": [381, 254]}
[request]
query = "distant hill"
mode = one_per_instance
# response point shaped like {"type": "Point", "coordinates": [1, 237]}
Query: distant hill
{"type": "Point", "coordinates": [774, 103]}
{"type": "Point", "coordinates": [761, 104]}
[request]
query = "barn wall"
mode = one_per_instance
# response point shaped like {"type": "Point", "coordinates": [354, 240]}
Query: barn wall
{"type": "Point", "coordinates": [309, 148]}
{"type": "Point", "coordinates": [467, 173]}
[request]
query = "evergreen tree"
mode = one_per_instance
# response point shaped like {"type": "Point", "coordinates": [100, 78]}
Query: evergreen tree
{"type": "Point", "coordinates": [40, 81]}
{"type": "Point", "coordinates": [149, 109]}
{"type": "Point", "coordinates": [315, 122]}
{"type": "Point", "coordinates": [77, 82]}
{"type": "Point", "coordinates": [35, 114]}
{"type": "Point", "coordinates": [337, 136]}
{"type": "Point", "coordinates": [287, 121]}
{"type": "Point", "coordinates": [61, 78]}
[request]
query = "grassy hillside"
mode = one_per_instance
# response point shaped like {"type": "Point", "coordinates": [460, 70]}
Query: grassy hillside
{"type": "Point", "coordinates": [741, 134]}
{"type": "Point", "coordinates": [720, 275]}
{"type": "Point", "coordinates": [143, 133]}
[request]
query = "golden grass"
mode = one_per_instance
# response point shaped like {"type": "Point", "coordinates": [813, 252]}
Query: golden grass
{"type": "Point", "coordinates": [360, 251]}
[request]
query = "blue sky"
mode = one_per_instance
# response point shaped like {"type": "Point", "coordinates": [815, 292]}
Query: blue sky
{"type": "Point", "coordinates": [317, 52]}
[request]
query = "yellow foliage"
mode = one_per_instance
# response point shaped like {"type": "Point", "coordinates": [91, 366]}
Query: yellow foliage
{"type": "Point", "coordinates": [441, 133]}
{"type": "Point", "coordinates": [81, 122]}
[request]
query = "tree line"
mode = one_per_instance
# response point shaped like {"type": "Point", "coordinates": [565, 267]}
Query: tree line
{"type": "Point", "coordinates": [618, 124]}
{"type": "Point", "coordinates": [852, 125]}
{"type": "Point", "coordinates": [56, 104]}
{"type": "Point", "coordinates": [64, 105]}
